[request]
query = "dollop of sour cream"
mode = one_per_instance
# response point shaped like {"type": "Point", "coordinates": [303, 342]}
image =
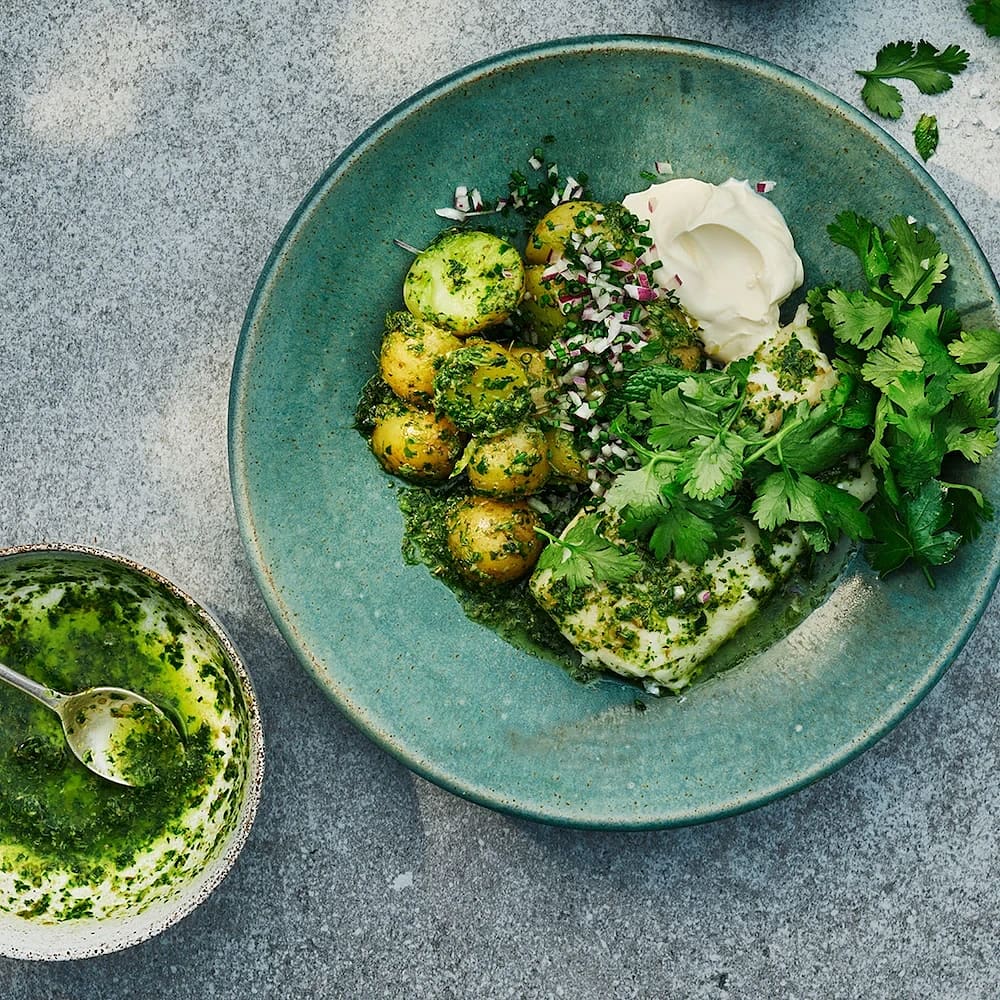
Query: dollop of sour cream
{"type": "Point", "coordinates": [728, 256]}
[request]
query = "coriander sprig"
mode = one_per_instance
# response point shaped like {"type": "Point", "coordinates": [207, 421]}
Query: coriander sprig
{"type": "Point", "coordinates": [921, 63]}
{"type": "Point", "coordinates": [934, 386]}
{"type": "Point", "coordinates": [986, 13]}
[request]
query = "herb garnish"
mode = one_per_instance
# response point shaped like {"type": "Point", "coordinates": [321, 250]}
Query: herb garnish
{"type": "Point", "coordinates": [986, 13]}
{"type": "Point", "coordinates": [933, 387]}
{"type": "Point", "coordinates": [583, 556]}
{"type": "Point", "coordinates": [925, 136]}
{"type": "Point", "coordinates": [922, 64]}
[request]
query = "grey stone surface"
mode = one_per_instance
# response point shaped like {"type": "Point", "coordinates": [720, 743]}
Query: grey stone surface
{"type": "Point", "coordinates": [149, 155]}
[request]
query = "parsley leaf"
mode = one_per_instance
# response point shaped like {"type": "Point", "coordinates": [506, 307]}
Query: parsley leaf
{"type": "Point", "coordinates": [925, 136]}
{"type": "Point", "coordinates": [865, 240]}
{"type": "Point", "coordinates": [855, 318]}
{"type": "Point", "coordinates": [583, 556]}
{"type": "Point", "coordinates": [973, 435]}
{"type": "Point", "coordinates": [916, 529]}
{"type": "Point", "coordinates": [676, 421]}
{"type": "Point", "coordinates": [789, 496]}
{"type": "Point", "coordinates": [970, 510]}
{"type": "Point", "coordinates": [814, 439]}
{"type": "Point", "coordinates": [917, 261]}
{"type": "Point", "coordinates": [712, 465]}
{"type": "Point", "coordinates": [679, 526]}
{"type": "Point", "coordinates": [975, 348]}
{"type": "Point", "coordinates": [684, 532]}
{"type": "Point", "coordinates": [986, 13]}
{"type": "Point", "coordinates": [922, 64]}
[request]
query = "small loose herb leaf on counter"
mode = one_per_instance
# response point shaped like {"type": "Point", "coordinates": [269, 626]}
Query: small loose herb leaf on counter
{"type": "Point", "coordinates": [986, 13]}
{"type": "Point", "coordinates": [583, 556]}
{"type": "Point", "coordinates": [921, 63]}
{"type": "Point", "coordinates": [925, 136]}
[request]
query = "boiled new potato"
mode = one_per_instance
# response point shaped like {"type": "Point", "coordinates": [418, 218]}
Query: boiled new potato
{"type": "Point", "coordinates": [482, 388]}
{"type": "Point", "coordinates": [514, 463]}
{"type": "Point", "coordinates": [565, 460]}
{"type": "Point", "coordinates": [464, 281]}
{"type": "Point", "coordinates": [547, 241]}
{"type": "Point", "coordinates": [541, 379]}
{"type": "Point", "coordinates": [548, 303]}
{"type": "Point", "coordinates": [415, 443]}
{"type": "Point", "coordinates": [493, 541]}
{"type": "Point", "coordinates": [410, 352]}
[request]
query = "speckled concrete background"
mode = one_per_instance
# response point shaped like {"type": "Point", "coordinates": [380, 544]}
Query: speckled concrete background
{"type": "Point", "coordinates": [149, 155]}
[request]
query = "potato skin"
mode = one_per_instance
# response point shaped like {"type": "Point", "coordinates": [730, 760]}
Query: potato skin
{"type": "Point", "coordinates": [409, 355]}
{"type": "Point", "coordinates": [493, 541]}
{"type": "Point", "coordinates": [541, 379]}
{"type": "Point", "coordinates": [482, 388]}
{"type": "Point", "coordinates": [547, 241]}
{"type": "Point", "coordinates": [512, 464]}
{"type": "Point", "coordinates": [565, 461]}
{"type": "Point", "coordinates": [541, 305]}
{"type": "Point", "coordinates": [465, 281]}
{"type": "Point", "coordinates": [414, 443]}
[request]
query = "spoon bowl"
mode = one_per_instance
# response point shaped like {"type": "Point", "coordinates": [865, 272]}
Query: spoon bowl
{"type": "Point", "coordinates": [116, 733]}
{"type": "Point", "coordinates": [119, 734]}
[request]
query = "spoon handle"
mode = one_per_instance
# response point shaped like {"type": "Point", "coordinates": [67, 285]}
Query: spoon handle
{"type": "Point", "coordinates": [38, 691]}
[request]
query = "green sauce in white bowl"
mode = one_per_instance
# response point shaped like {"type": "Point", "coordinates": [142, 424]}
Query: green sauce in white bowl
{"type": "Point", "coordinates": [88, 866]}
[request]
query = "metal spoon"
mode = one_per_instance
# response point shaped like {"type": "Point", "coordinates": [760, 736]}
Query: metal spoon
{"type": "Point", "coordinates": [108, 728]}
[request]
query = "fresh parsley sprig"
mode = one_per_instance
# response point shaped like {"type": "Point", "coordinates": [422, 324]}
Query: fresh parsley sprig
{"type": "Point", "coordinates": [921, 63]}
{"type": "Point", "coordinates": [583, 555]}
{"type": "Point", "coordinates": [934, 387]}
{"type": "Point", "coordinates": [702, 462]}
{"type": "Point", "coordinates": [986, 13]}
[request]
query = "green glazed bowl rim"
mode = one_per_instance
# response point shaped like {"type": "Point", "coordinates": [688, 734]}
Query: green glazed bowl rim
{"type": "Point", "coordinates": [282, 613]}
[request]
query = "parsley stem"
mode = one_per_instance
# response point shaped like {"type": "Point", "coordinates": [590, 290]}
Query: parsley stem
{"type": "Point", "coordinates": [773, 441]}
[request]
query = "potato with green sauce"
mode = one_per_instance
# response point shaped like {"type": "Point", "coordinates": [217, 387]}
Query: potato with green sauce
{"type": "Point", "coordinates": [410, 353]}
{"type": "Point", "coordinates": [565, 460]}
{"type": "Point", "coordinates": [541, 379]}
{"type": "Point", "coordinates": [414, 443]}
{"type": "Point", "coordinates": [513, 464]}
{"type": "Point", "coordinates": [482, 388]}
{"type": "Point", "coordinates": [548, 303]}
{"type": "Point", "coordinates": [548, 239]}
{"type": "Point", "coordinates": [465, 281]}
{"type": "Point", "coordinates": [493, 541]}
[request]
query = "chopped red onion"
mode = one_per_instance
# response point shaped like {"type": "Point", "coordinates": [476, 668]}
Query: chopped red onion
{"type": "Point", "coordinates": [455, 214]}
{"type": "Point", "coordinates": [641, 293]}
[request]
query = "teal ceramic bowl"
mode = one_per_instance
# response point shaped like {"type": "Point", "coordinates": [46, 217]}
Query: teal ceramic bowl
{"type": "Point", "coordinates": [320, 521]}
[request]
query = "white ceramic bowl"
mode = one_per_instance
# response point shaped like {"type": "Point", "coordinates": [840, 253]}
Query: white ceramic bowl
{"type": "Point", "coordinates": [137, 908]}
